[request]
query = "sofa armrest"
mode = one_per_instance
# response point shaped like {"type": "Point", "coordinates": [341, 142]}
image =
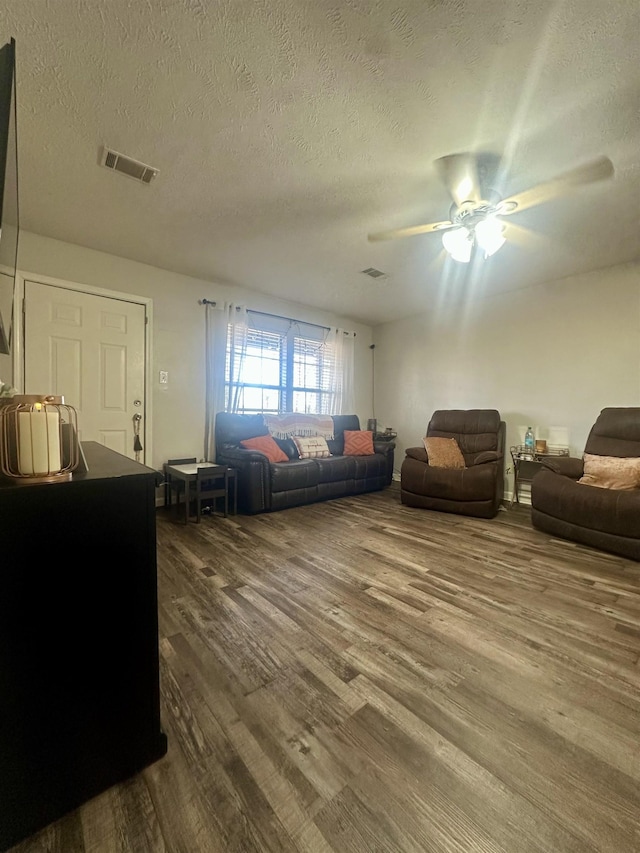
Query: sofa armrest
{"type": "Point", "coordinates": [418, 453]}
{"type": "Point", "coordinates": [567, 466]}
{"type": "Point", "coordinates": [253, 477]}
{"type": "Point", "coordinates": [384, 447]}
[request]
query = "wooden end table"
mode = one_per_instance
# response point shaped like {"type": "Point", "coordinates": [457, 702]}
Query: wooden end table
{"type": "Point", "coordinates": [180, 478]}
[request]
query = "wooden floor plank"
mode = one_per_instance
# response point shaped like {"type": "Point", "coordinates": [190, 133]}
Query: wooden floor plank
{"type": "Point", "coordinates": [435, 795]}
{"type": "Point", "coordinates": [359, 676]}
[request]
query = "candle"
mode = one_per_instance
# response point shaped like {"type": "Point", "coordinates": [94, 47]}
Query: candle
{"type": "Point", "coordinates": [39, 441]}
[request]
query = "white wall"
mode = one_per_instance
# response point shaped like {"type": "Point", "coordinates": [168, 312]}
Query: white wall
{"type": "Point", "coordinates": [550, 356]}
{"type": "Point", "coordinates": [179, 332]}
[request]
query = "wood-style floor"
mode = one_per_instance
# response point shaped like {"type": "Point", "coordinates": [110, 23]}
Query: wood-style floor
{"type": "Point", "coordinates": [360, 676]}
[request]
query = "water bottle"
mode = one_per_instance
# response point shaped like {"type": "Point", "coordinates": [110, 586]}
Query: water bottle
{"type": "Point", "coordinates": [529, 441]}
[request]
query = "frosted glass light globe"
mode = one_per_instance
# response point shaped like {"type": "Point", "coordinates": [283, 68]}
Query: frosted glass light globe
{"type": "Point", "coordinates": [489, 235]}
{"type": "Point", "coordinates": [458, 242]}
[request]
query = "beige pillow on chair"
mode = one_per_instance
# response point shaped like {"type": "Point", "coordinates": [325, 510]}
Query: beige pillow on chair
{"type": "Point", "coordinates": [443, 453]}
{"type": "Point", "coordinates": [611, 472]}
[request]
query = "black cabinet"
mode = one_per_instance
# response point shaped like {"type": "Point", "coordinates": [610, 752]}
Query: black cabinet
{"type": "Point", "coordinates": [79, 667]}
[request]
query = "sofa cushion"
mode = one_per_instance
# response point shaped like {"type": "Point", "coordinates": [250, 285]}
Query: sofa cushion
{"type": "Point", "coordinates": [443, 452]}
{"type": "Point", "coordinates": [311, 446]}
{"type": "Point", "coordinates": [611, 472]}
{"type": "Point", "coordinates": [231, 428]}
{"type": "Point", "coordinates": [267, 445]}
{"type": "Point", "coordinates": [336, 468]}
{"type": "Point", "coordinates": [288, 446]}
{"type": "Point", "coordinates": [463, 484]}
{"type": "Point", "coordinates": [298, 474]}
{"type": "Point", "coordinates": [616, 432]}
{"type": "Point", "coordinates": [358, 442]}
{"type": "Point", "coordinates": [369, 467]}
{"type": "Point", "coordinates": [340, 424]}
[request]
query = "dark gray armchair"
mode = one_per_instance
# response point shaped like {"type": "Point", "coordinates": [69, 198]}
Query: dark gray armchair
{"type": "Point", "coordinates": [605, 518]}
{"type": "Point", "coordinates": [478, 488]}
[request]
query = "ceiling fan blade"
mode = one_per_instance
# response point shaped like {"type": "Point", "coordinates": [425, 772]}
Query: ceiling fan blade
{"type": "Point", "coordinates": [588, 173]}
{"type": "Point", "coordinates": [410, 232]}
{"type": "Point", "coordinates": [460, 175]}
{"type": "Point", "coordinates": [524, 238]}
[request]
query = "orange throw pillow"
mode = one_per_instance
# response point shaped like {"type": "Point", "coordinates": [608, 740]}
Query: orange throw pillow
{"type": "Point", "coordinates": [266, 444]}
{"type": "Point", "coordinates": [358, 442]}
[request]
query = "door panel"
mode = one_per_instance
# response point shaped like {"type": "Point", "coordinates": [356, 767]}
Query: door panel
{"type": "Point", "coordinates": [116, 441]}
{"type": "Point", "coordinates": [91, 350]}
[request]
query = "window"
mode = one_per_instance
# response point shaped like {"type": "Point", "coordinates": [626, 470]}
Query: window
{"type": "Point", "coordinates": [279, 365]}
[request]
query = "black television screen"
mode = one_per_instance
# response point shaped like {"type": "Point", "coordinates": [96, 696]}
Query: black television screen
{"type": "Point", "coordinates": [8, 193]}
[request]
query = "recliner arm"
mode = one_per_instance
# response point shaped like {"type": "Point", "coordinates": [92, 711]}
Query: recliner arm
{"type": "Point", "coordinates": [487, 456]}
{"type": "Point", "coordinates": [385, 447]}
{"type": "Point", "coordinates": [418, 453]}
{"type": "Point", "coordinates": [567, 466]}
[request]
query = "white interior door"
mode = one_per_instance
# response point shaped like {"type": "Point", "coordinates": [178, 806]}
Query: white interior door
{"type": "Point", "coordinates": [91, 350]}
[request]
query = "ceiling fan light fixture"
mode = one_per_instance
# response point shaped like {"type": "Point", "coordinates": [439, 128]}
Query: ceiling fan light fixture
{"type": "Point", "coordinates": [459, 243]}
{"type": "Point", "coordinates": [464, 190]}
{"type": "Point", "coordinates": [489, 235]}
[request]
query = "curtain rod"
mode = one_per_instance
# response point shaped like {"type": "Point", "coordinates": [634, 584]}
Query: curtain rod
{"type": "Point", "coordinates": [276, 316]}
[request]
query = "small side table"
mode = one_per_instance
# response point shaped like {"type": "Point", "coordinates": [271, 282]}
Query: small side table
{"type": "Point", "coordinates": [527, 463]}
{"type": "Point", "coordinates": [187, 474]}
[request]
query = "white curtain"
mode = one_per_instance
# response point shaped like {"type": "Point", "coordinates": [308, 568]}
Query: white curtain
{"type": "Point", "coordinates": [342, 397]}
{"type": "Point", "coordinates": [223, 321]}
{"type": "Point", "coordinates": [237, 329]}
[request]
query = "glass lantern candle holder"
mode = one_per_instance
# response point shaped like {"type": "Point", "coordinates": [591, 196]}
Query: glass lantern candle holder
{"type": "Point", "coordinates": [38, 439]}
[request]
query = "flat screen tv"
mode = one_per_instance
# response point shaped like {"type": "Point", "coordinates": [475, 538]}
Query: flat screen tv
{"type": "Point", "coordinates": [8, 194]}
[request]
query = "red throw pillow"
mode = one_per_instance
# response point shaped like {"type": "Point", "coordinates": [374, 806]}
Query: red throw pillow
{"type": "Point", "coordinates": [266, 444]}
{"type": "Point", "coordinates": [358, 442]}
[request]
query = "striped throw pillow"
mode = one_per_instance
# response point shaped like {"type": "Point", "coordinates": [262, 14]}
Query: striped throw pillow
{"type": "Point", "coordinates": [311, 446]}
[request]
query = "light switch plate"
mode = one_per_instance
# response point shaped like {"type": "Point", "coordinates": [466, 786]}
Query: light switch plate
{"type": "Point", "coordinates": [164, 377]}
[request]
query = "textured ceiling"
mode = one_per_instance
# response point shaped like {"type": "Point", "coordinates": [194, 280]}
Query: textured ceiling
{"type": "Point", "coordinates": [287, 130]}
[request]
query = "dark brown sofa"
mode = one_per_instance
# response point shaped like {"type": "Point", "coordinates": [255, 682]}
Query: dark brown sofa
{"type": "Point", "coordinates": [478, 488]}
{"type": "Point", "coordinates": [264, 486]}
{"type": "Point", "coordinates": [604, 518]}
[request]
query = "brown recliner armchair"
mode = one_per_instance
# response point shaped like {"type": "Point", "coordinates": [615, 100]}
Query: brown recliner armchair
{"type": "Point", "coordinates": [603, 517]}
{"type": "Point", "coordinates": [478, 488]}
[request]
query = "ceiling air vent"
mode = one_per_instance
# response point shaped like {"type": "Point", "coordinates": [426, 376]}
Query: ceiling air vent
{"type": "Point", "coordinates": [373, 273]}
{"type": "Point", "coordinates": [128, 166]}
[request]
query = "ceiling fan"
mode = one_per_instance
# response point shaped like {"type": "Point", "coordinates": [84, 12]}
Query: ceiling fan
{"type": "Point", "coordinates": [475, 217]}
